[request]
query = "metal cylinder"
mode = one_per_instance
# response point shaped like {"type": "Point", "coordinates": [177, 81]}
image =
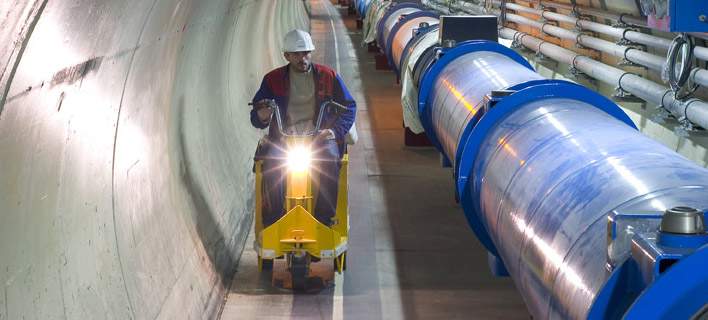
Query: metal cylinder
{"type": "Point", "coordinates": [545, 181]}
{"type": "Point", "coordinates": [683, 220]}
{"type": "Point", "coordinates": [411, 54]}
{"type": "Point", "coordinates": [362, 6]}
{"type": "Point", "coordinates": [541, 172]}
{"type": "Point", "coordinates": [390, 19]}
{"type": "Point", "coordinates": [374, 13]}
{"type": "Point", "coordinates": [404, 34]}
{"type": "Point", "coordinates": [460, 89]}
{"type": "Point", "coordinates": [410, 61]}
{"type": "Point", "coordinates": [547, 164]}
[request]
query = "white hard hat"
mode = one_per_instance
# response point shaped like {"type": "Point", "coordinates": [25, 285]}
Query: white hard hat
{"type": "Point", "coordinates": [298, 40]}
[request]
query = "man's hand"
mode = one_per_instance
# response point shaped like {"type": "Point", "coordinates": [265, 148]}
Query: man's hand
{"type": "Point", "coordinates": [263, 110]}
{"type": "Point", "coordinates": [326, 134]}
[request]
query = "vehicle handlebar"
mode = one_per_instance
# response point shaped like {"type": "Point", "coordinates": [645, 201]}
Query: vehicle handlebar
{"type": "Point", "coordinates": [279, 121]}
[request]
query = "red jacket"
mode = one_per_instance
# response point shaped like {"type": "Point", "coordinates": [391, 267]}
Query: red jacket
{"type": "Point", "coordinates": [328, 86]}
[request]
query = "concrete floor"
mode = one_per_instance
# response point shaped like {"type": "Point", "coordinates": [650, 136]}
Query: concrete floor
{"type": "Point", "coordinates": [412, 254]}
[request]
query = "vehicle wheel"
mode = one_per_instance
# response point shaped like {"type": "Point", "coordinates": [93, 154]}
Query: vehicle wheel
{"type": "Point", "coordinates": [298, 272]}
{"type": "Point", "coordinates": [267, 264]}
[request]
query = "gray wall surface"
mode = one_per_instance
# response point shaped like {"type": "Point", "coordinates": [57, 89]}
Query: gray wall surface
{"type": "Point", "coordinates": [125, 152]}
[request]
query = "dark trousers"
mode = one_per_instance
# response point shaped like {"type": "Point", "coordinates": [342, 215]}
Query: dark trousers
{"type": "Point", "coordinates": [324, 170]}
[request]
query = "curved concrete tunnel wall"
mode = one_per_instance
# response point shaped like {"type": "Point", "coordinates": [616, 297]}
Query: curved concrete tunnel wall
{"type": "Point", "coordinates": [125, 152]}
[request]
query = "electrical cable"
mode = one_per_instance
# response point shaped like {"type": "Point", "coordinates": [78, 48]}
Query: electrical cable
{"type": "Point", "coordinates": [682, 44]}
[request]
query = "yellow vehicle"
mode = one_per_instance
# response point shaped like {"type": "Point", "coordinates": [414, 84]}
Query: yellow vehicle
{"type": "Point", "coordinates": [298, 236]}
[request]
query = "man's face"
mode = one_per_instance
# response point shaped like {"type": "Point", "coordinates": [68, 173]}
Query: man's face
{"type": "Point", "coordinates": [299, 60]}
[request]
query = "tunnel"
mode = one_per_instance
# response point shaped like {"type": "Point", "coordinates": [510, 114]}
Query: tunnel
{"type": "Point", "coordinates": [125, 171]}
{"type": "Point", "coordinates": [530, 191]}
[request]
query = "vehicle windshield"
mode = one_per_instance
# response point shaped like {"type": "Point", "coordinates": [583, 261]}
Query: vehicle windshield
{"type": "Point", "coordinates": [300, 128]}
{"type": "Point", "coordinates": [306, 129]}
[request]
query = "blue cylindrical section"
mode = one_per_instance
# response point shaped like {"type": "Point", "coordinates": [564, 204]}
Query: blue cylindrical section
{"type": "Point", "coordinates": [539, 172]}
{"type": "Point", "coordinates": [459, 91]}
{"type": "Point", "coordinates": [545, 179]}
{"type": "Point", "coordinates": [413, 43]}
{"type": "Point", "coordinates": [390, 19]}
{"type": "Point", "coordinates": [497, 68]}
{"type": "Point", "coordinates": [362, 6]}
{"type": "Point", "coordinates": [403, 33]}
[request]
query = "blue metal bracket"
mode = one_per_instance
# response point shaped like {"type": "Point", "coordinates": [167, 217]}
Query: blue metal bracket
{"type": "Point", "coordinates": [652, 258]}
{"type": "Point", "coordinates": [679, 293]}
{"type": "Point", "coordinates": [663, 277]}
{"type": "Point", "coordinates": [618, 293]}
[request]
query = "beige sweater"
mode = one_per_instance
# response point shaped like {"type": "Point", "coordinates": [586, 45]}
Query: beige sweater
{"type": "Point", "coordinates": [301, 105]}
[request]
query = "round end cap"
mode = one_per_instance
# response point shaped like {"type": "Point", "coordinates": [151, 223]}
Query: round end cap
{"type": "Point", "coordinates": [683, 220]}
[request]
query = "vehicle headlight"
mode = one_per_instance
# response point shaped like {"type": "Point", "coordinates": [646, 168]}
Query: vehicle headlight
{"type": "Point", "coordinates": [299, 158]}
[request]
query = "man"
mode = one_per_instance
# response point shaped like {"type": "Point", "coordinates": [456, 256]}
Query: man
{"type": "Point", "coordinates": [299, 88]}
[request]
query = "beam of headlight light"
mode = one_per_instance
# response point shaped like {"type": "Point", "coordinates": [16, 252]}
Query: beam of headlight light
{"type": "Point", "coordinates": [299, 158]}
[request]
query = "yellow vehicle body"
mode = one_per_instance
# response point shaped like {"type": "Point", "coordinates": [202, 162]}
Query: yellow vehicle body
{"type": "Point", "coordinates": [298, 232]}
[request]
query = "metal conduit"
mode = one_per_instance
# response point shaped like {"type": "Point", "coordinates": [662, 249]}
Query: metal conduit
{"type": "Point", "coordinates": [477, 7]}
{"type": "Point", "coordinates": [437, 6]}
{"type": "Point", "coordinates": [467, 7]}
{"type": "Point", "coordinates": [633, 55]}
{"type": "Point", "coordinates": [690, 111]}
{"type": "Point", "coordinates": [587, 11]}
{"type": "Point", "coordinates": [653, 62]}
{"type": "Point", "coordinates": [701, 53]}
{"type": "Point", "coordinates": [693, 110]}
{"type": "Point", "coordinates": [620, 33]}
{"type": "Point", "coordinates": [615, 32]}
